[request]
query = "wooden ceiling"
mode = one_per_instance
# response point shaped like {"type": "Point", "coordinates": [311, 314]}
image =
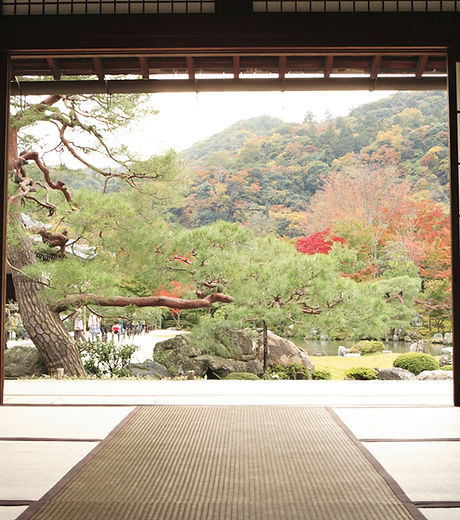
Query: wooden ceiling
{"type": "Point", "coordinates": [236, 71]}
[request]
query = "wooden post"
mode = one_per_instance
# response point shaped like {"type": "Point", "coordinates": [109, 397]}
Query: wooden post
{"type": "Point", "coordinates": [454, 109]}
{"type": "Point", "coordinates": [265, 343]}
{"type": "Point", "coordinates": [4, 113]}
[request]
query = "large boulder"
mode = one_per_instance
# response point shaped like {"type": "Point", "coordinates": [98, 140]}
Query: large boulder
{"type": "Point", "coordinates": [177, 355]}
{"type": "Point", "coordinates": [149, 369]}
{"type": "Point", "coordinates": [395, 374]}
{"type": "Point", "coordinates": [218, 367]}
{"type": "Point", "coordinates": [23, 361]}
{"type": "Point", "coordinates": [282, 352]}
{"type": "Point", "coordinates": [435, 375]}
{"type": "Point", "coordinates": [437, 338]}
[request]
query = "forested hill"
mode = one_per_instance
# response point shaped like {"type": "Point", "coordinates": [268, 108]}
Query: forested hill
{"type": "Point", "coordinates": [262, 172]}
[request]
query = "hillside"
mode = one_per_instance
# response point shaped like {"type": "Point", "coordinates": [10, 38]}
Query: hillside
{"type": "Point", "coordinates": [262, 172]}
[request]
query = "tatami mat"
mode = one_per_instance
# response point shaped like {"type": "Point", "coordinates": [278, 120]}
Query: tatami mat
{"type": "Point", "coordinates": [229, 463]}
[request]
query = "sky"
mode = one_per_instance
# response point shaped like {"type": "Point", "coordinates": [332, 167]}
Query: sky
{"type": "Point", "coordinates": [185, 118]}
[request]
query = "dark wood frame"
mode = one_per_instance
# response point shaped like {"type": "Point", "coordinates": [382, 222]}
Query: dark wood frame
{"type": "Point", "coordinates": [234, 28]}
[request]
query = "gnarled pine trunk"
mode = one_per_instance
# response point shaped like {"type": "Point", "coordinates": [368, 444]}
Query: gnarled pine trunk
{"type": "Point", "coordinates": [43, 325]}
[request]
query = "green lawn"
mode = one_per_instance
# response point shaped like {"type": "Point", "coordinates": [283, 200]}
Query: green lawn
{"type": "Point", "coordinates": [339, 365]}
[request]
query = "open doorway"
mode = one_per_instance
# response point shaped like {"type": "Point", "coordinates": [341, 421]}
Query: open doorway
{"type": "Point", "coordinates": [268, 177]}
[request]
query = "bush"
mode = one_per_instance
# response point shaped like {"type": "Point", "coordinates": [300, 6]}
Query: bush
{"type": "Point", "coordinates": [321, 373]}
{"type": "Point", "coordinates": [416, 362]}
{"type": "Point", "coordinates": [370, 347]}
{"type": "Point", "coordinates": [106, 357]}
{"type": "Point", "coordinates": [247, 376]}
{"type": "Point", "coordinates": [447, 368]}
{"type": "Point", "coordinates": [361, 373]}
{"type": "Point", "coordinates": [290, 371]}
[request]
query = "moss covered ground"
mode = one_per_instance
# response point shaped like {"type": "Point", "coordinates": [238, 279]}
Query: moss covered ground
{"type": "Point", "coordinates": [339, 365]}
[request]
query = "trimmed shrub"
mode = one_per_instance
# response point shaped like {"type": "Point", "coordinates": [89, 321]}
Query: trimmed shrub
{"type": "Point", "coordinates": [321, 373]}
{"type": "Point", "coordinates": [106, 357]}
{"type": "Point", "coordinates": [361, 373]}
{"type": "Point", "coordinates": [416, 362]}
{"type": "Point", "coordinates": [370, 347]}
{"type": "Point", "coordinates": [290, 371]}
{"type": "Point", "coordinates": [447, 368]}
{"type": "Point", "coordinates": [243, 376]}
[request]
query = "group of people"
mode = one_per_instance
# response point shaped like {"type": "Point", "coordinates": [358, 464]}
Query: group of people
{"type": "Point", "coordinates": [98, 329]}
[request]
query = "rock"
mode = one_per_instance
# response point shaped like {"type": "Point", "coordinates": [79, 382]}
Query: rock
{"type": "Point", "coordinates": [395, 337]}
{"type": "Point", "coordinates": [448, 337]}
{"type": "Point", "coordinates": [282, 351]}
{"type": "Point", "coordinates": [435, 375]}
{"type": "Point", "coordinates": [218, 367]}
{"type": "Point", "coordinates": [342, 350]}
{"type": "Point", "coordinates": [321, 353]}
{"type": "Point", "coordinates": [395, 374]}
{"type": "Point", "coordinates": [444, 360]}
{"type": "Point", "coordinates": [323, 337]}
{"type": "Point", "coordinates": [420, 346]}
{"type": "Point", "coordinates": [437, 338]}
{"type": "Point", "coordinates": [177, 355]}
{"type": "Point", "coordinates": [352, 354]}
{"type": "Point", "coordinates": [255, 367]}
{"type": "Point", "coordinates": [237, 341]}
{"type": "Point", "coordinates": [148, 368]}
{"type": "Point", "coordinates": [21, 361]}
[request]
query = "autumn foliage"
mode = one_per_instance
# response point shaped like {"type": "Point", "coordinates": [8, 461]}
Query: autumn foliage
{"type": "Point", "coordinates": [320, 242]}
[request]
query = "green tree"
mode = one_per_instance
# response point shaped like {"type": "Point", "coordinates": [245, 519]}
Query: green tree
{"type": "Point", "coordinates": [100, 223]}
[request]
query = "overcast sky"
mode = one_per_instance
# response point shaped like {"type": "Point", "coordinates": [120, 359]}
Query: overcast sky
{"type": "Point", "coordinates": [184, 119]}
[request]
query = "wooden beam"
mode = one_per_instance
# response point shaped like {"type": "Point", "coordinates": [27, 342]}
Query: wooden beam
{"type": "Point", "coordinates": [330, 32]}
{"type": "Point", "coordinates": [52, 64]}
{"type": "Point", "coordinates": [236, 67]}
{"type": "Point", "coordinates": [453, 85]}
{"type": "Point", "coordinates": [421, 64]}
{"type": "Point", "coordinates": [98, 67]}
{"type": "Point", "coordinates": [190, 68]}
{"type": "Point", "coordinates": [4, 114]}
{"type": "Point", "coordinates": [224, 85]}
{"type": "Point", "coordinates": [282, 67]}
{"type": "Point", "coordinates": [375, 66]}
{"type": "Point", "coordinates": [328, 66]}
{"type": "Point", "coordinates": [143, 62]}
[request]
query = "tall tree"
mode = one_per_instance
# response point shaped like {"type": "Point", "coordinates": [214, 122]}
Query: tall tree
{"type": "Point", "coordinates": [83, 127]}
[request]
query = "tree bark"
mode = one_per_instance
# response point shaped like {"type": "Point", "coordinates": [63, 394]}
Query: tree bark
{"type": "Point", "coordinates": [143, 301]}
{"type": "Point", "coordinates": [42, 324]}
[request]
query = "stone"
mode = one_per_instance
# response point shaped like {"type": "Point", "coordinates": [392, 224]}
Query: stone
{"type": "Point", "coordinates": [352, 354]}
{"type": "Point", "coordinates": [437, 338]}
{"type": "Point", "coordinates": [448, 337]}
{"type": "Point", "coordinates": [320, 353]}
{"type": "Point", "coordinates": [282, 352]}
{"type": "Point", "coordinates": [218, 367]}
{"type": "Point", "coordinates": [24, 361]}
{"type": "Point", "coordinates": [395, 374]}
{"type": "Point", "coordinates": [148, 368]}
{"type": "Point", "coordinates": [444, 360]}
{"type": "Point", "coordinates": [435, 375]}
{"type": "Point", "coordinates": [342, 350]}
{"type": "Point", "coordinates": [420, 346]}
{"type": "Point", "coordinates": [177, 355]}
{"type": "Point", "coordinates": [238, 341]}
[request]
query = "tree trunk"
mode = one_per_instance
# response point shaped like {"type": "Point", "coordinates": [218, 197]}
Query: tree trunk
{"type": "Point", "coordinates": [43, 325]}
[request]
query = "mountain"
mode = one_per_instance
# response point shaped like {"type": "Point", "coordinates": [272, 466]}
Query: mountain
{"type": "Point", "coordinates": [262, 172]}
